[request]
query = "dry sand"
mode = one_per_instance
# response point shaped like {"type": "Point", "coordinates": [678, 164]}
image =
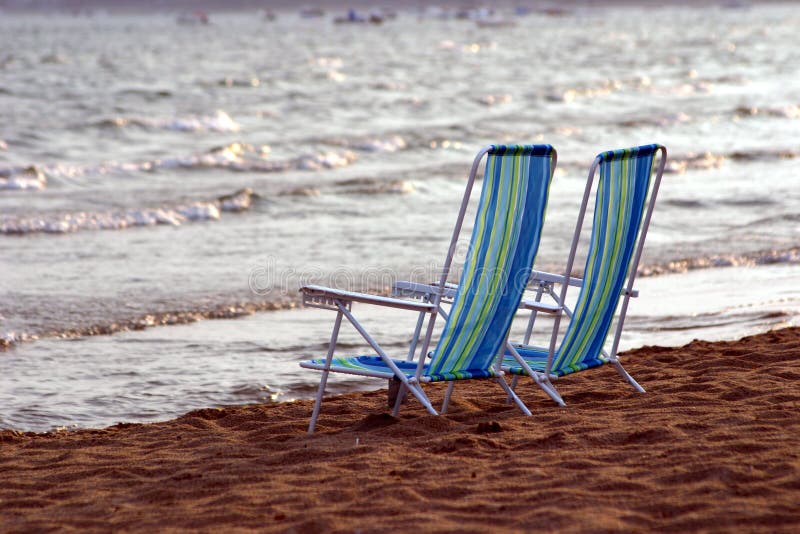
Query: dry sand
{"type": "Point", "coordinates": [714, 445]}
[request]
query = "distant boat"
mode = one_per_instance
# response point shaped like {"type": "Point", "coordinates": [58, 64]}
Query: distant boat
{"type": "Point", "coordinates": [312, 12]}
{"type": "Point", "coordinates": [353, 17]}
{"type": "Point", "coordinates": [555, 11]}
{"type": "Point", "coordinates": [433, 12]}
{"type": "Point", "coordinates": [195, 18]}
{"type": "Point", "coordinates": [387, 13]}
{"type": "Point", "coordinates": [736, 4]}
{"type": "Point", "coordinates": [485, 17]}
{"type": "Point", "coordinates": [495, 21]}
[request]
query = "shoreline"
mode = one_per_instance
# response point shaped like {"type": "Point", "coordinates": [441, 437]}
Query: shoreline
{"type": "Point", "coordinates": [712, 445]}
{"type": "Point", "coordinates": [242, 307]}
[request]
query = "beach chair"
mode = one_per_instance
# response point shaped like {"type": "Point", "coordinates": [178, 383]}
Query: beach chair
{"type": "Point", "coordinates": [622, 215]}
{"type": "Point", "coordinates": [503, 244]}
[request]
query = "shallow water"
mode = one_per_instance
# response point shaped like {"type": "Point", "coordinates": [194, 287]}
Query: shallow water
{"type": "Point", "coordinates": [148, 168]}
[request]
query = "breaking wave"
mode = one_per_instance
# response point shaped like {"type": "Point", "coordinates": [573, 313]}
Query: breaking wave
{"type": "Point", "coordinates": [790, 256]}
{"type": "Point", "coordinates": [239, 157]}
{"type": "Point", "coordinates": [595, 89]}
{"type": "Point", "coordinates": [219, 122]}
{"type": "Point", "coordinates": [373, 186]}
{"type": "Point", "coordinates": [708, 160]}
{"type": "Point", "coordinates": [149, 320]}
{"type": "Point", "coordinates": [9, 339]}
{"type": "Point", "coordinates": [682, 163]}
{"type": "Point", "coordinates": [392, 143]}
{"type": "Point", "coordinates": [783, 112]}
{"type": "Point", "coordinates": [117, 220]}
{"type": "Point", "coordinates": [240, 309]}
{"type": "Point", "coordinates": [643, 84]}
{"type": "Point", "coordinates": [177, 215]}
{"type": "Point", "coordinates": [29, 178]}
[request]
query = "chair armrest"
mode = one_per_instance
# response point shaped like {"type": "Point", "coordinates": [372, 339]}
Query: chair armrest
{"type": "Point", "coordinates": [325, 297]}
{"type": "Point", "coordinates": [541, 276]}
{"type": "Point", "coordinates": [540, 306]}
{"type": "Point", "coordinates": [416, 290]}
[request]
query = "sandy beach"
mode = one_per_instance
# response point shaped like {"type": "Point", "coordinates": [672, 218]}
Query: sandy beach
{"type": "Point", "coordinates": [712, 446]}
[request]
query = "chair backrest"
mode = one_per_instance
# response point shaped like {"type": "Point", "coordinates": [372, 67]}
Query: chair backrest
{"type": "Point", "coordinates": [619, 212]}
{"type": "Point", "coordinates": [499, 260]}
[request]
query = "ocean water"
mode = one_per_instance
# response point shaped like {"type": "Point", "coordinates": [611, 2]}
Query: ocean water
{"type": "Point", "coordinates": [156, 176]}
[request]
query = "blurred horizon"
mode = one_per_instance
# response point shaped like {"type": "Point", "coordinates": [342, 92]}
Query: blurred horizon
{"type": "Point", "coordinates": [237, 5]}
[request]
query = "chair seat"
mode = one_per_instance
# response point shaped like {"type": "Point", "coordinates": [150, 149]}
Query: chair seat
{"type": "Point", "coordinates": [537, 360]}
{"type": "Point", "coordinates": [375, 365]}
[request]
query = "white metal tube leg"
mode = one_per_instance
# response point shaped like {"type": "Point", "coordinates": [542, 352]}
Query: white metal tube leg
{"type": "Point", "coordinates": [411, 384]}
{"type": "Point", "coordinates": [447, 394]}
{"type": "Point", "coordinates": [412, 349]}
{"type": "Point", "coordinates": [324, 380]}
{"type": "Point", "coordinates": [400, 399]}
{"type": "Point", "coordinates": [416, 389]}
{"type": "Point", "coordinates": [621, 370]}
{"type": "Point", "coordinates": [513, 396]}
{"type": "Point", "coordinates": [540, 379]}
{"type": "Point", "coordinates": [514, 381]}
{"type": "Point", "coordinates": [551, 391]}
{"type": "Point", "coordinates": [529, 330]}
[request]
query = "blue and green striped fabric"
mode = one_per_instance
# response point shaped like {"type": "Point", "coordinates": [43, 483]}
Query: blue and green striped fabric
{"type": "Point", "coordinates": [619, 209]}
{"type": "Point", "coordinates": [505, 239]}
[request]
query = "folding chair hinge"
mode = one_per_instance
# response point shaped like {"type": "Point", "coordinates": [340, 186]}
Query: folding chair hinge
{"type": "Point", "coordinates": [324, 302]}
{"type": "Point", "coordinates": [400, 292]}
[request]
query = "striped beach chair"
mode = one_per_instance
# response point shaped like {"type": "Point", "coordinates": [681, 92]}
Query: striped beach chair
{"type": "Point", "coordinates": [626, 194]}
{"type": "Point", "coordinates": [504, 242]}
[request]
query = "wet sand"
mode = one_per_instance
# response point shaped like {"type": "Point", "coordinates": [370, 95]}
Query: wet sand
{"type": "Point", "coordinates": [714, 445]}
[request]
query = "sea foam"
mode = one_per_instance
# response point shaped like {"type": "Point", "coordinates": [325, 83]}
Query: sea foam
{"type": "Point", "coordinates": [22, 179]}
{"type": "Point", "coordinates": [236, 156]}
{"type": "Point", "coordinates": [117, 220]}
{"type": "Point", "coordinates": [219, 122]}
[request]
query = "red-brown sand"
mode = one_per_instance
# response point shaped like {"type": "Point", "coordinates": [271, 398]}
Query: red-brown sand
{"type": "Point", "coordinates": [714, 445]}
